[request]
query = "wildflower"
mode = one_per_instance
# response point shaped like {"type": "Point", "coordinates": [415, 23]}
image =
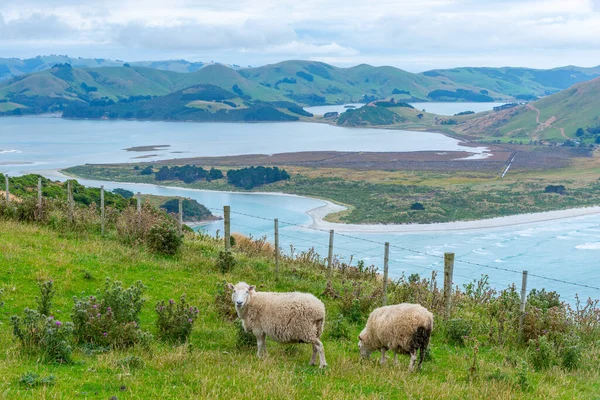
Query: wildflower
{"type": "Point", "coordinates": [58, 323]}
{"type": "Point", "coordinates": [171, 301]}
{"type": "Point", "coordinates": [95, 306]}
{"type": "Point", "coordinates": [538, 349]}
{"type": "Point", "coordinates": [109, 309]}
{"type": "Point", "coordinates": [190, 320]}
{"type": "Point", "coordinates": [106, 334]}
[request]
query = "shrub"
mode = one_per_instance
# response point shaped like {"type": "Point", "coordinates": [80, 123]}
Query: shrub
{"type": "Point", "coordinates": [570, 357]}
{"type": "Point", "coordinates": [223, 302]}
{"type": "Point", "coordinates": [226, 261]}
{"type": "Point", "coordinates": [339, 329]}
{"type": "Point", "coordinates": [358, 300]}
{"type": "Point", "coordinates": [164, 239]}
{"type": "Point", "coordinates": [45, 300]}
{"type": "Point", "coordinates": [112, 318]}
{"type": "Point", "coordinates": [40, 334]}
{"type": "Point", "coordinates": [541, 353]}
{"type": "Point", "coordinates": [244, 339]}
{"type": "Point", "coordinates": [458, 330]}
{"type": "Point", "coordinates": [175, 321]}
{"type": "Point", "coordinates": [31, 380]}
{"type": "Point", "coordinates": [522, 378]}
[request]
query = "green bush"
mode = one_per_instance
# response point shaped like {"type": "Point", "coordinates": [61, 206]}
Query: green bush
{"type": "Point", "coordinates": [132, 362]}
{"type": "Point", "coordinates": [31, 380]}
{"type": "Point", "coordinates": [541, 353]}
{"type": "Point", "coordinates": [457, 330]}
{"type": "Point", "coordinates": [223, 302]}
{"type": "Point", "coordinates": [40, 334]}
{"type": "Point", "coordinates": [226, 261]}
{"type": "Point", "coordinates": [164, 238]}
{"type": "Point", "coordinates": [45, 300]}
{"type": "Point", "coordinates": [570, 357]}
{"type": "Point", "coordinates": [338, 328]}
{"type": "Point", "coordinates": [112, 318]}
{"type": "Point", "coordinates": [175, 322]}
{"type": "Point", "coordinates": [244, 339]}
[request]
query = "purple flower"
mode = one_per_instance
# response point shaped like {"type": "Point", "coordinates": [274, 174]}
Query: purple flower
{"type": "Point", "coordinates": [171, 301]}
{"type": "Point", "coordinates": [95, 306]}
{"type": "Point", "coordinates": [58, 323]}
{"type": "Point", "coordinates": [190, 320]}
{"type": "Point", "coordinates": [538, 349]}
{"type": "Point", "coordinates": [98, 315]}
{"type": "Point", "coordinates": [545, 331]}
{"type": "Point", "coordinates": [109, 309]}
{"type": "Point", "coordinates": [105, 334]}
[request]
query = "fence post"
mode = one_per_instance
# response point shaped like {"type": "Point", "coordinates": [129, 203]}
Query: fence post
{"type": "Point", "coordinates": [276, 223]}
{"type": "Point", "coordinates": [180, 216]}
{"type": "Point", "coordinates": [40, 192]}
{"type": "Point", "coordinates": [523, 300]}
{"type": "Point", "coordinates": [102, 208]}
{"type": "Point", "coordinates": [330, 257]}
{"type": "Point", "coordinates": [7, 189]}
{"type": "Point", "coordinates": [448, 273]}
{"type": "Point", "coordinates": [386, 260]}
{"type": "Point", "coordinates": [227, 216]}
{"type": "Point", "coordinates": [139, 202]}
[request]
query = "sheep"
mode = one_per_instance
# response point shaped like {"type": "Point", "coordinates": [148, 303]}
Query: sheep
{"type": "Point", "coordinates": [403, 328]}
{"type": "Point", "coordinates": [284, 317]}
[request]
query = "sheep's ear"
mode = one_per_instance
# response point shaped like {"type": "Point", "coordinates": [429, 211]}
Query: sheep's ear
{"type": "Point", "coordinates": [360, 338]}
{"type": "Point", "coordinates": [230, 286]}
{"type": "Point", "coordinates": [252, 288]}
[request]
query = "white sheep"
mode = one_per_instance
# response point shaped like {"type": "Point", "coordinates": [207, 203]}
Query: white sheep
{"type": "Point", "coordinates": [284, 317]}
{"type": "Point", "coordinates": [403, 328]}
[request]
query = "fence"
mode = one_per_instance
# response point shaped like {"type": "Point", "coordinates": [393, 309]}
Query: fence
{"type": "Point", "coordinates": [449, 265]}
{"type": "Point", "coordinates": [344, 247]}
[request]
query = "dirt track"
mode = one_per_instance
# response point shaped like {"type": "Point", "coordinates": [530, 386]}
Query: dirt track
{"type": "Point", "coordinates": [546, 124]}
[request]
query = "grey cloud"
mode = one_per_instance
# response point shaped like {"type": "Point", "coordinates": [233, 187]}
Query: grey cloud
{"type": "Point", "coordinates": [35, 26]}
{"type": "Point", "coordinates": [191, 35]}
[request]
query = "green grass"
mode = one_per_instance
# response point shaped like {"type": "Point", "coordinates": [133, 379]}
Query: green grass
{"type": "Point", "coordinates": [211, 366]}
{"type": "Point", "coordinates": [9, 106]}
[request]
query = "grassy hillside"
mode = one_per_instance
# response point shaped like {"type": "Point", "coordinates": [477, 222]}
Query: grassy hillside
{"type": "Point", "coordinates": [217, 362]}
{"type": "Point", "coordinates": [522, 83]}
{"type": "Point", "coordinates": [553, 118]}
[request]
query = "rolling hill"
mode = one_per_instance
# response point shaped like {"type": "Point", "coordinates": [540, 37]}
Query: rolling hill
{"type": "Point", "coordinates": [520, 83]}
{"type": "Point", "coordinates": [553, 118]}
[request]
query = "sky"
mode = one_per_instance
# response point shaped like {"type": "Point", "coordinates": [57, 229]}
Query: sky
{"type": "Point", "coordinates": [415, 35]}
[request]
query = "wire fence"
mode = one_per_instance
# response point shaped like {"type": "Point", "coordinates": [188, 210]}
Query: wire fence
{"type": "Point", "coordinates": [404, 260]}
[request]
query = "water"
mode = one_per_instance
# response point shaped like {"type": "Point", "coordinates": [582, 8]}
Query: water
{"type": "Point", "coordinates": [28, 144]}
{"type": "Point", "coordinates": [435, 108]}
{"type": "Point", "coordinates": [564, 249]}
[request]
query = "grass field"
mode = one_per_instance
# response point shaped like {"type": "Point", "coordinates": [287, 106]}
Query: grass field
{"type": "Point", "coordinates": [211, 365]}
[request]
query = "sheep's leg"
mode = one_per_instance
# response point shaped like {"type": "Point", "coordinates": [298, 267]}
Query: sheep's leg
{"type": "Point", "coordinates": [262, 345]}
{"type": "Point", "coordinates": [413, 358]}
{"type": "Point", "coordinates": [395, 358]}
{"type": "Point", "coordinates": [313, 359]}
{"type": "Point", "coordinates": [382, 360]}
{"type": "Point", "coordinates": [319, 348]}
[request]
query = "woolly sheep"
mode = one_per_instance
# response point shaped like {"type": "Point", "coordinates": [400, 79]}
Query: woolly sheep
{"type": "Point", "coordinates": [403, 328]}
{"type": "Point", "coordinates": [284, 317]}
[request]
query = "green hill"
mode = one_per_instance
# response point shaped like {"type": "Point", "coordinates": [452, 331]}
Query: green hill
{"type": "Point", "coordinates": [560, 116]}
{"type": "Point", "coordinates": [520, 83]}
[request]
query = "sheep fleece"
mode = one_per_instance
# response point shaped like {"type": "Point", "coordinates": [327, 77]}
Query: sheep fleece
{"type": "Point", "coordinates": [285, 317]}
{"type": "Point", "coordinates": [393, 327]}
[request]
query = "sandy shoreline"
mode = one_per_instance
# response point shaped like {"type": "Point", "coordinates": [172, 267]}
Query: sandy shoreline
{"type": "Point", "coordinates": [318, 214]}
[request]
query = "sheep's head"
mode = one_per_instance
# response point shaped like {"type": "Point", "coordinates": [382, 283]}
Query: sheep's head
{"type": "Point", "coordinates": [363, 347]}
{"type": "Point", "coordinates": [241, 294]}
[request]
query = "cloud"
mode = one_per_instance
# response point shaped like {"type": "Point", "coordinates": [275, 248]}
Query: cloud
{"type": "Point", "coordinates": [339, 31]}
{"type": "Point", "coordinates": [34, 26]}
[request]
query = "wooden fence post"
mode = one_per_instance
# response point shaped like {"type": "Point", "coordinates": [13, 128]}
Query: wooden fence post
{"type": "Point", "coordinates": [386, 260]}
{"type": "Point", "coordinates": [227, 216]}
{"type": "Point", "coordinates": [139, 202]}
{"type": "Point", "coordinates": [330, 257]}
{"type": "Point", "coordinates": [102, 222]}
{"type": "Point", "coordinates": [7, 189]}
{"type": "Point", "coordinates": [276, 226]}
{"type": "Point", "coordinates": [448, 273]}
{"type": "Point", "coordinates": [523, 300]}
{"type": "Point", "coordinates": [180, 216]}
{"type": "Point", "coordinates": [40, 192]}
